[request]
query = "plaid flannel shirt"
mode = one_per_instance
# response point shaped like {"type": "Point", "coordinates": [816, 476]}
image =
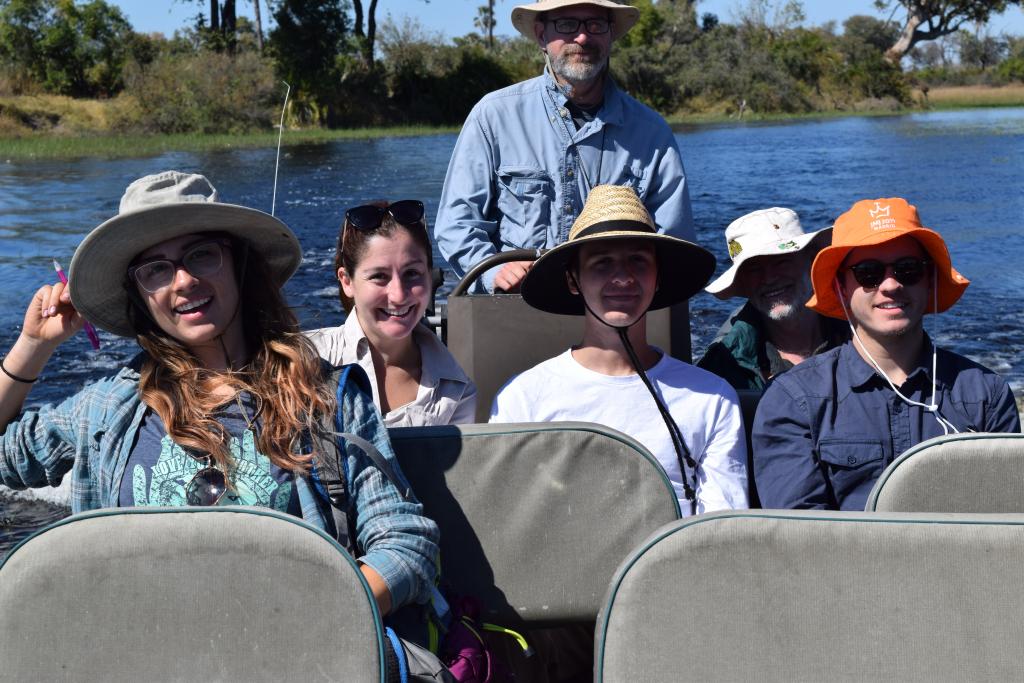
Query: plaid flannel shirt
{"type": "Point", "coordinates": [92, 434]}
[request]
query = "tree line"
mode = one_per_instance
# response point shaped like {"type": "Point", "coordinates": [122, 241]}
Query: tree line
{"type": "Point", "coordinates": [223, 72]}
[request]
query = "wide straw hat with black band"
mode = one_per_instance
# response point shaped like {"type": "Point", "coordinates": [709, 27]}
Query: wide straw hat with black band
{"type": "Point", "coordinates": [766, 232]}
{"type": "Point", "coordinates": [876, 221]}
{"type": "Point", "coordinates": [612, 212]}
{"type": "Point", "coordinates": [154, 209]}
{"type": "Point", "coordinates": [622, 16]}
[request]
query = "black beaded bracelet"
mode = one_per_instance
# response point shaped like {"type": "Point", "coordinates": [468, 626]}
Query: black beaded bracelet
{"type": "Point", "coordinates": [15, 377]}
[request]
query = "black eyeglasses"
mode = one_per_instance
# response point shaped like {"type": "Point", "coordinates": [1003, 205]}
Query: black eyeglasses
{"type": "Point", "coordinates": [570, 26]}
{"type": "Point", "coordinates": [907, 271]}
{"type": "Point", "coordinates": [206, 487]}
{"type": "Point", "coordinates": [369, 216]}
{"type": "Point", "coordinates": [201, 260]}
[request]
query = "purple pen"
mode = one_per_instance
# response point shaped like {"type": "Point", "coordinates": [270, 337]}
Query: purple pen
{"type": "Point", "coordinates": [90, 331]}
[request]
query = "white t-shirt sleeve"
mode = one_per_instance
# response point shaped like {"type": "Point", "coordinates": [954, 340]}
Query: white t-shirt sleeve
{"type": "Point", "coordinates": [511, 403]}
{"type": "Point", "coordinates": [722, 471]}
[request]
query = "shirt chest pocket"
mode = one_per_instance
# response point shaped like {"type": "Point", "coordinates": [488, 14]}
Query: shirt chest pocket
{"type": "Point", "coordinates": [633, 176]}
{"type": "Point", "coordinates": [851, 466]}
{"type": "Point", "coordinates": [525, 198]}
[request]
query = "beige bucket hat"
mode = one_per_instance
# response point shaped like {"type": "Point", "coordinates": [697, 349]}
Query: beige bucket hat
{"type": "Point", "coordinates": [623, 16]}
{"type": "Point", "coordinates": [154, 209]}
{"type": "Point", "coordinates": [766, 232]}
{"type": "Point", "coordinates": [613, 212]}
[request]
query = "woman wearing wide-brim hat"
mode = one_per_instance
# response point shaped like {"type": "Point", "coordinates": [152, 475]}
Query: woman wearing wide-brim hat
{"type": "Point", "coordinates": [614, 268]}
{"type": "Point", "coordinates": [210, 410]}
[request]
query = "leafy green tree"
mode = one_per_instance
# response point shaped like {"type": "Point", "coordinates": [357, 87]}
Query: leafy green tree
{"type": "Point", "coordinates": [980, 51]}
{"type": "Point", "coordinates": [22, 23]}
{"type": "Point", "coordinates": [931, 19]}
{"type": "Point", "coordinates": [69, 48]}
{"type": "Point", "coordinates": [306, 44]}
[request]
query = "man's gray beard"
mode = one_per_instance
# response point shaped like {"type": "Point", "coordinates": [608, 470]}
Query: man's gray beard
{"type": "Point", "coordinates": [791, 309]}
{"type": "Point", "coordinates": [576, 72]}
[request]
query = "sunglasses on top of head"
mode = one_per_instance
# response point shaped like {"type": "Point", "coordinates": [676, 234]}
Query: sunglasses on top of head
{"type": "Point", "coordinates": [907, 271]}
{"type": "Point", "coordinates": [369, 216]}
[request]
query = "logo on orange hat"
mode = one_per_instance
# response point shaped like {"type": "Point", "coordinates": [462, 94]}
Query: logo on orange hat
{"type": "Point", "coordinates": [881, 218]}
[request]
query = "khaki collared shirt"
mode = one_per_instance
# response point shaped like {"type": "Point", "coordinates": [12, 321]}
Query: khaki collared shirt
{"type": "Point", "coordinates": [445, 396]}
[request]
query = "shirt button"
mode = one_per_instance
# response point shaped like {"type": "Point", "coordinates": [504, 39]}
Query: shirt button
{"type": "Point", "coordinates": [851, 460]}
{"type": "Point", "coordinates": [564, 112]}
{"type": "Point", "coordinates": [898, 408]}
{"type": "Point", "coordinates": [569, 173]}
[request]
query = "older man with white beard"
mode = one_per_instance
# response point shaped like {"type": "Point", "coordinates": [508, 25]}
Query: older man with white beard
{"type": "Point", "coordinates": [771, 261]}
{"type": "Point", "coordinates": [529, 154]}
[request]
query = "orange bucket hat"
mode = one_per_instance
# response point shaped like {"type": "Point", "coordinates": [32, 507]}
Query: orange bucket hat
{"type": "Point", "coordinates": [876, 221]}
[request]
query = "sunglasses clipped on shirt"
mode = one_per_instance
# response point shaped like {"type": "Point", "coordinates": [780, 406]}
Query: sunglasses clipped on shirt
{"type": "Point", "coordinates": [907, 271]}
{"type": "Point", "coordinates": [201, 260]}
{"type": "Point", "coordinates": [570, 26]}
{"type": "Point", "coordinates": [369, 216]}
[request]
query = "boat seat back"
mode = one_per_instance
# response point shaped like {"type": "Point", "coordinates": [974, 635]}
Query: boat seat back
{"type": "Point", "coordinates": [186, 594]}
{"type": "Point", "coordinates": [535, 518]}
{"type": "Point", "coordinates": [955, 473]}
{"type": "Point", "coordinates": [818, 596]}
{"type": "Point", "coordinates": [496, 337]}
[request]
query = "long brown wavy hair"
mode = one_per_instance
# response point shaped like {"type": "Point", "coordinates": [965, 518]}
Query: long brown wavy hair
{"type": "Point", "coordinates": [283, 374]}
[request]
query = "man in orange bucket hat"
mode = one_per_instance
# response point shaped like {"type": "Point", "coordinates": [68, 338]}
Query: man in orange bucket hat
{"type": "Point", "coordinates": [826, 429]}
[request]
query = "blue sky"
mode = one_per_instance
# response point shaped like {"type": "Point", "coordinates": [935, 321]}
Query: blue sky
{"type": "Point", "coordinates": [455, 17]}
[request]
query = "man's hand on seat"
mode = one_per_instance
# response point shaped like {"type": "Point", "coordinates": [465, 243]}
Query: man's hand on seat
{"type": "Point", "coordinates": [511, 275]}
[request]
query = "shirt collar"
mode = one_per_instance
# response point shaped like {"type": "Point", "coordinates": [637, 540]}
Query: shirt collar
{"type": "Point", "coordinates": [611, 109]}
{"type": "Point", "coordinates": [859, 372]}
{"type": "Point", "coordinates": [437, 363]}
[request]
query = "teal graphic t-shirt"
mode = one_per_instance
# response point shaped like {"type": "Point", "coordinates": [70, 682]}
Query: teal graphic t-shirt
{"type": "Point", "coordinates": [158, 469]}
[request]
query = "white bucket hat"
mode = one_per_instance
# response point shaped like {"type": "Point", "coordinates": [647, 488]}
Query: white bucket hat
{"type": "Point", "coordinates": [154, 209]}
{"type": "Point", "coordinates": [767, 232]}
{"type": "Point", "coordinates": [623, 16]}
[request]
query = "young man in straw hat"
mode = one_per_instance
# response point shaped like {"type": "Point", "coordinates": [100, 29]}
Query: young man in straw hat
{"type": "Point", "coordinates": [773, 331]}
{"type": "Point", "coordinates": [826, 429]}
{"type": "Point", "coordinates": [612, 270]}
{"type": "Point", "coordinates": [529, 154]}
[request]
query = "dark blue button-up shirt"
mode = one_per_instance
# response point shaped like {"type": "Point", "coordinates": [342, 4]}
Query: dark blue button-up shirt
{"type": "Point", "coordinates": [826, 429]}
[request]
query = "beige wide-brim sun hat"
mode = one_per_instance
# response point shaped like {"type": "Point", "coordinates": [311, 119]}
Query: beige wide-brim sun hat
{"type": "Point", "coordinates": [766, 232]}
{"type": "Point", "coordinates": [623, 16]}
{"type": "Point", "coordinates": [154, 209]}
{"type": "Point", "coordinates": [613, 212]}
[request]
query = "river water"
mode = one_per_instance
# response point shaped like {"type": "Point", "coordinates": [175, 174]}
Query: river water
{"type": "Point", "coordinates": [962, 169]}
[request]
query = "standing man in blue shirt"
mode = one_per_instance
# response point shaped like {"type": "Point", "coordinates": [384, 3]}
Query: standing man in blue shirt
{"type": "Point", "coordinates": [826, 429]}
{"type": "Point", "coordinates": [529, 154]}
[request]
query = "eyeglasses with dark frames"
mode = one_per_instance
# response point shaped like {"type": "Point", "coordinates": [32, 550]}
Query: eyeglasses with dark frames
{"type": "Point", "coordinates": [907, 271]}
{"type": "Point", "coordinates": [368, 217]}
{"type": "Point", "coordinates": [201, 260]}
{"type": "Point", "coordinates": [570, 26]}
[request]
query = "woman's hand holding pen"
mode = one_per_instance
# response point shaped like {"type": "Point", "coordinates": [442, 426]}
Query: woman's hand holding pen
{"type": "Point", "coordinates": [50, 318]}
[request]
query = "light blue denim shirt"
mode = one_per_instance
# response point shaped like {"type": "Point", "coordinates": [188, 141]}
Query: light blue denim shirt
{"type": "Point", "coordinates": [515, 180]}
{"type": "Point", "coordinates": [92, 434]}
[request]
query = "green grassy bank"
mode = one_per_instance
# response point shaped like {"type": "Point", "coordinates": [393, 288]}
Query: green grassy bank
{"type": "Point", "coordinates": [48, 127]}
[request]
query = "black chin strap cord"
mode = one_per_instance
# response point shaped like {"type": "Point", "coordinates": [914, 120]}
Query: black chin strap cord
{"type": "Point", "coordinates": [683, 454]}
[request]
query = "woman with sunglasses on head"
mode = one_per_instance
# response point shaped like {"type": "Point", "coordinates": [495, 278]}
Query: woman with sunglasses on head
{"type": "Point", "coordinates": [222, 404]}
{"type": "Point", "coordinates": [383, 263]}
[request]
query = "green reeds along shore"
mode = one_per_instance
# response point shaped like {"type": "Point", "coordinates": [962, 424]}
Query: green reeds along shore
{"type": "Point", "coordinates": [56, 146]}
{"type": "Point", "coordinates": [52, 127]}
